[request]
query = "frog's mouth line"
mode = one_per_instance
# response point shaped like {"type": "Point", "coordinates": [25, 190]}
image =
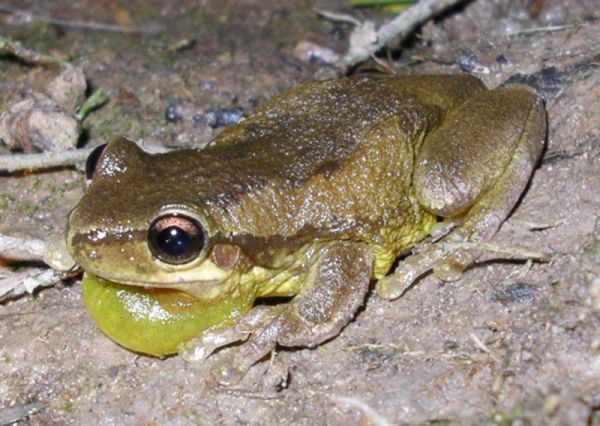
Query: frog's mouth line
{"type": "Point", "coordinates": [201, 289]}
{"type": "Point", "coordinates": [201, 279]}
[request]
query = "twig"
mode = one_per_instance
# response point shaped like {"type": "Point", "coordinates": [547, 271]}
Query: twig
{"type": "Point", "coordinates": [21, 249]}
{"type": "Point", "coordinates": [338, 17]}
{"type": "Point", "coordinates": [551, 28]}
{"type": "Point", "coordinates": [27, 55]}
{"type": "Point", "coordinates": [20, 412]}
{"type": "Point", "coordinates": [27, 17]}
{"type": "Point", "coordinates": [53, 253]}
{"type": "Point", "coordinates": [401, 26]}
{"type": "Point", "coordinates": [479, 343]}
{"type": "Point", "coordinates": [558, 27]}
{"type": "Point", "coordinates": [372, 416]}
{"type": "Point", "coordinates": [17, 284]}
{"type": "Point", "coordinates": [46, 160]}
{"type": "Point", "coordinates": [482, 346]}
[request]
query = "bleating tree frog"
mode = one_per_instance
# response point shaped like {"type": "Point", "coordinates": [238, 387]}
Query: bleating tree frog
{"type": "Point", "coordinates": [312, 198]}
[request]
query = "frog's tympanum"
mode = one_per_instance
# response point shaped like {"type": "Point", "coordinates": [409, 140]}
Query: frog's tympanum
{"type": "Point", "coordinates": [309, 199]}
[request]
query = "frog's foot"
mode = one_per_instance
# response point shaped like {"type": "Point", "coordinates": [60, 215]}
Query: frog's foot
{"type": "Point", "coordinates": [200, 348]}
{"type": "Point", "coordinates": [443, 258]}
{"type": "Point", "coordinates": [256, 330]}
{"type": "Point", "coordinates": [407, 272]}
{"type": "Point", "coordinates": [480, 197]}
{"type": "Point", "coordinates": [264, 382]}
{"type": "Point", "coordinates": [230, 371]}
{"type": "Point", "coordinates": [336, 287]}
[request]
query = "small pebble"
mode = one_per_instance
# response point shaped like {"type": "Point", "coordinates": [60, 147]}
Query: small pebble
{"type": "Point", "coordinates": [517, 292]}
{"type": "Point", "coordinates": [197, 118]}
{"type": "Point", "coordinates": [470, 63]}
{"type": "Point", "coordinates": [229, 116]}
{"type": "Point", "coordinates": [223, 117]}
{"type": "Point", "coordinates": [172, 114]}
{"type": "Point", "coordinates": [501, 59]}
{"type": "Point", "coordinates": [211, 119]}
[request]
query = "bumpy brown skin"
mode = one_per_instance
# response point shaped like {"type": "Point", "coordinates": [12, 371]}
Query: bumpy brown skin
{"type": "Point", "coordinates": [344, 173]}
{"type": "Point", "coordinates": [329, 159]}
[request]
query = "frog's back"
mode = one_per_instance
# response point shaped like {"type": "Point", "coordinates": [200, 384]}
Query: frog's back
{"type": "Point", "coordinates": [328, 158]}
{"type": "Point", "coordinates": [325, 122]}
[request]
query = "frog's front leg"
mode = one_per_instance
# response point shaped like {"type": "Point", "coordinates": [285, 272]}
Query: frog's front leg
{"type": "Point", "coordinates": [336, 287]}
{"type": "Point", "coordinates": [473, 168]}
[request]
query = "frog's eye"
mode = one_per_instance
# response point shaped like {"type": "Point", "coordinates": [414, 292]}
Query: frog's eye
{"type": "Point", "coordinates": [92, 160]}
{"type": "Point", "coordinates": [176, 238]}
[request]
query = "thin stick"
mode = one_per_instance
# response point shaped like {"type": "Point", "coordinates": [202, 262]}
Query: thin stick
{"type": "Point", "coordinates": [87, 25]}
{"type": "Point", "coordinates": [30, 56]}
{"type": "Point", "coordinates": [338, 17]}
{"type": "Point", "coordinates": [46, 160]}
{"type": "Point", "coordinates": [401, 26]}
{"type": "Point", "coordinates": [372, 416]}
{"type": "Point", "coordinates": [20, 283]}
{"type": "Point", "coordinates": [10, 415]}
{"type": "Point", "coordinates": [482, 346]}
{"type": "Point", "coordinates": [551, 28]}
{"type": "Point", "coordinates": [21, 249]}
{"type": "Point", "coordinates": [559, 27]}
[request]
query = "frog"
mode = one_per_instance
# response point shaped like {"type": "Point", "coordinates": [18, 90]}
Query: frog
{"type": "Point", "coordinates": [307, 203]}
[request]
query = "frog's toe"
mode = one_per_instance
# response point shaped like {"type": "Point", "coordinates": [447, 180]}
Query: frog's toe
{"type": "Point", "coordinates": [231, 370]}
{"type": "Point", "coordinates": [230, 376]}
{"type": "Point", "coordinates": [200, 348]}
{"type": "Point", "coordinates": [408, 271]}
{"type": "Point", "coordinates": [448, 271]}
{"type": "Point", "coordinates": [452, 267]}
{"type": "Point", "coordinates": [436, 257]}
{"type": "Point", "coordinates": [447, 267]}
{"type": "Point", "coordinates": [227, 373]}
{"type": "Point", "coordinates": [393, 286]}
{"type": "Point", "coordinates": [194, 350]}
{"type": "Point", "coordinates": [277, 375]}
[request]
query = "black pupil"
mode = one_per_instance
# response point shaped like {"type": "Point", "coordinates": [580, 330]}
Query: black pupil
{"type": "Point", "coordinates": [173, 240]}
{"type": "Point", "coordinates": [178, 242]}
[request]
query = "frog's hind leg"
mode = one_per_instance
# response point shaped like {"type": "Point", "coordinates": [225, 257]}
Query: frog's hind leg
{"type": "Point", "coordinates": [473, 168]}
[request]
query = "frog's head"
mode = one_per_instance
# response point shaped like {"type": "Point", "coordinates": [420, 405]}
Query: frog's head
{"type": "Point", "coordinates": [137, 224]}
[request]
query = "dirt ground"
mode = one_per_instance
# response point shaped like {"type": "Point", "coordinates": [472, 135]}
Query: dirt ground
{"type": "Point", "coordinates": [509, 343]}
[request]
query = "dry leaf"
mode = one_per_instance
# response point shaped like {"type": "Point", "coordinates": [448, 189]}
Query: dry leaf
{"type": "Point", "coordinates": [45, 121]}
{"type": "Point", "coordinates": [120, 15]}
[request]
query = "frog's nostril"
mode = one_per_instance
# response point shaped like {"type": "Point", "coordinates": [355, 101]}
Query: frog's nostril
{"type": "Point", "coordinates": [176, 238]}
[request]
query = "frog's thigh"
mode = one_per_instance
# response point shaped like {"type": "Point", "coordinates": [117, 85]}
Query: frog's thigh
{"type": "Point", "coordinates": [474, 167]}
{"type": "Point", "coordinates": [336, 287]}
{"type": "Point", "coordinates": [490, 138]}
{"type": "Point", "coordinates": [478, 163]}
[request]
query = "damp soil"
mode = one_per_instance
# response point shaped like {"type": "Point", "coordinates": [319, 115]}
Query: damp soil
{"type": "Point", "coordinates": [509, 342]}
